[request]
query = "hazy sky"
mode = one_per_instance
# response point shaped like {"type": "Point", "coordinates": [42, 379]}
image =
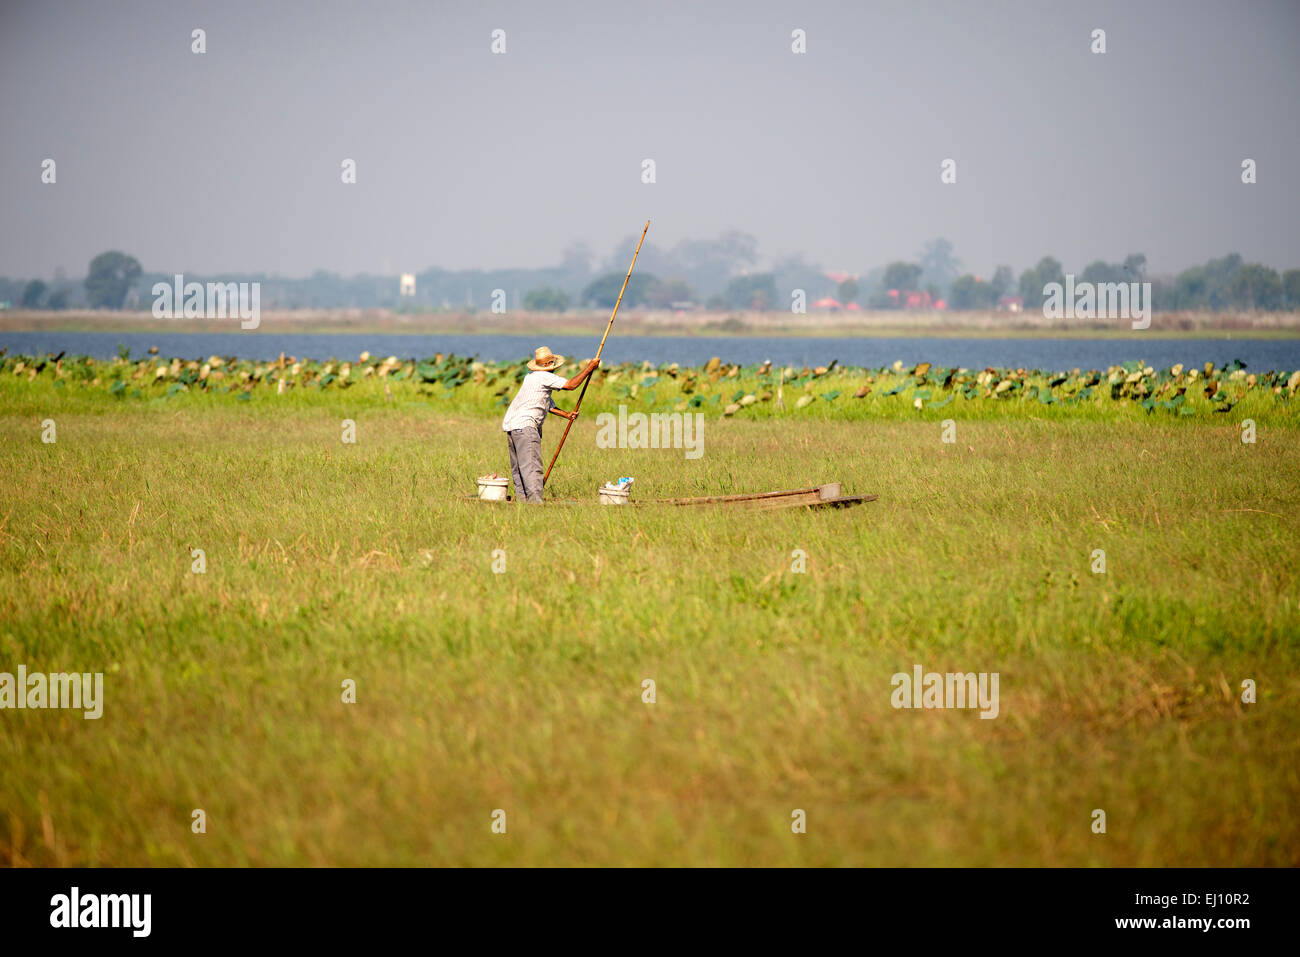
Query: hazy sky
{"type": "Point", "coordinates": [230, 160]}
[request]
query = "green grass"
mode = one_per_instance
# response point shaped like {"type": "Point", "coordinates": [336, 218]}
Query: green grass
{"type": "Point", "coordinates": [522, 690]}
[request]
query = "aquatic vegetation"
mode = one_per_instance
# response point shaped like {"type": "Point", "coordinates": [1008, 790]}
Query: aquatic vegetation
{"type": "Point", "coordinates": [463, 383]}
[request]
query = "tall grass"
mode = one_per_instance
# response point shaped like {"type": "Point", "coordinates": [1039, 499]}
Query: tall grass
{"type": "Point", "coordinates": [522, 691]}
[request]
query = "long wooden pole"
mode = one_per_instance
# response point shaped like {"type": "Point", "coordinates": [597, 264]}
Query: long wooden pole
{"type": "Point", "coordinates": [601, 349]}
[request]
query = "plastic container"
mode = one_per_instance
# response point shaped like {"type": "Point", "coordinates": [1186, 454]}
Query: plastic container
{"type": "Point", "coordinates": [493, 489]}
{"type": "Point", "coordinates": [613, 495]}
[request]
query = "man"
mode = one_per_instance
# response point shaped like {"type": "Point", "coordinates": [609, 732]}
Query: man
{"type": "Point", "coordinates": [523, 422]}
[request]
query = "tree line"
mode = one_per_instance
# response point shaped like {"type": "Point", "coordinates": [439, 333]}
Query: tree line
{"type": "Point", "coordinates": [719, 274]}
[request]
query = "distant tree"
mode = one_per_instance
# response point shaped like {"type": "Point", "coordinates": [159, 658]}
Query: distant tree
{"type": "Point", "coordinates": [869, 284]}
{"type": "Point", "coordinates": [109, 278]}
{"type": "Point", "coordinates": [1218, 277]}
{"type": "Point", "coordinates": [905, 277]}
{"type": "Point", "coordinates": [939, 267]}
{"type": "Point", "coordinates": [1135, 264]}
{"type": "Point", "coordinates": [731, 251]}
{"type": "Point", "coordinates": [1103, 272]}
{"type": "Point", "coordinates": [546, 300]}
{"type": "Point", "coordinates": [59, 298]}
{"type": "Point", "coordinates": [899, 278]}
{"type": "Point", "coordinates": [668, 291]}
{"type": "Point", "coordinates": [793, 272]}
{"type": "Point", "coordinates": [1191, 289]}
{"type": "Point", "coordinates": [757, 291]}
{"type": "Point", "coordinates": [1255, 286]}
{"type": "Point", "coordinates": [577, 260]}
{"type": "Point", "coordinates": [709, 264]}
{"type": "Point", "coordinates": [964, 294]}
{"type": "Point", "coordinates": [1004, 281]}
{"type": "Point", "coordinates": [1033, 280]}
{"type": "Point", "coordinates": [969, 292]}
{"type": "Point", "coordinates": [1162, 293]}
{"type": "Point", "coordinates": [1291, 288]}
{"type": "Point", "coordinates": [603, 290]}
{"type": "Point", "coordinates": [1132, 269]}
{"type": "Point", "coordinates": [1205, 287]}
{"type": "Point", "coordinates": [848, 291]}
{"type": "Point", "coordinates": [32, 294]}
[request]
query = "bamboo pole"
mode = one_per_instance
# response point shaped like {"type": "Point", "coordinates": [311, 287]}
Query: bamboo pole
{"type": "Point", "coordinates": [599, 350]}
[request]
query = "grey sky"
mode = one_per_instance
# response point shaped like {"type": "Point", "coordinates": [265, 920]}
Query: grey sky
{"type": "Point", "coordinates": [230, 161]}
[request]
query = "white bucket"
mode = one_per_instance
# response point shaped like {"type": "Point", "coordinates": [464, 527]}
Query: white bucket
{"type": "Point", "coordinates": [493, 490]}
{"type": "Point", "coordinates": [613, 496]}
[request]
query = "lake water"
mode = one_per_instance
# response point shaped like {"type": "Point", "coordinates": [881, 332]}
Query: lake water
{"type": "Point", "coordinates": [1031, 353]}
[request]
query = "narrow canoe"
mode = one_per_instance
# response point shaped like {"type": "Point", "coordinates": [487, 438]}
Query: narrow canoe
{"type": "Point", "coordinates": [819, 496]}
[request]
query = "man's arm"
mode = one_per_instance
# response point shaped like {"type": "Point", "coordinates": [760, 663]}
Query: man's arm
{"type": "Point", "coordinates": [572, 384]}
{"type": "Point", "coordinates": [577, 379]}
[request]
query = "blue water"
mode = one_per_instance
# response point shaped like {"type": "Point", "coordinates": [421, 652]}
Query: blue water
{"type": "Point", "coordinates": [1260, 355]}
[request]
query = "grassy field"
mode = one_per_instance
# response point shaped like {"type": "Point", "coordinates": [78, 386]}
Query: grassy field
{"type": "Point", "coordinates": [522, 690]}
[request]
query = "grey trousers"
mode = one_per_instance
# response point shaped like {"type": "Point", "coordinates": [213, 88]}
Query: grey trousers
{"type": "Point", "coordinates": [526, 463]}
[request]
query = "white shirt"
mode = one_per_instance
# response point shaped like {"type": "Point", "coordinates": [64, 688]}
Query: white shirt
{"type": "Point", "coordinates": [533, 401]}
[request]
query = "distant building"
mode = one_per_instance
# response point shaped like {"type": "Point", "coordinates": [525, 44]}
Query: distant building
{"type": "Point", "coordinates": [408, 284]}
{"type": "Point", "coordinates": [914, 299]}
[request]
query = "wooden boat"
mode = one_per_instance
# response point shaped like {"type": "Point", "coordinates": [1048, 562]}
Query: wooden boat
{"type": "Point", "coordinates": [819, 496]}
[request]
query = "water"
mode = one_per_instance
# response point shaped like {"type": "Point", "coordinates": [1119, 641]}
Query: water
{"type": "Point", "coordinates": [1037, 353]}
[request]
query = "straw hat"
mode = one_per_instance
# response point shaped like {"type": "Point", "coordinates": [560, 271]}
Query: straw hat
{"type": "Point", "coordinates": [544, 360]}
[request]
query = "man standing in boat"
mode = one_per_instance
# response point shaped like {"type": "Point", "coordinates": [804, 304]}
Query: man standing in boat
{"type": "Point", "coordinates": [523, 422]}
